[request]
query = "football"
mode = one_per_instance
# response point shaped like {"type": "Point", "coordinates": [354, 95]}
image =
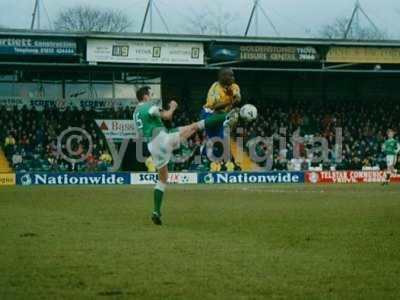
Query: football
{"type": "Point", "coordinates": [248, 112]}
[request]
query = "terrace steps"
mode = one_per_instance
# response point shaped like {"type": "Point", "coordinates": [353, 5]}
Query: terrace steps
{"type": "Point", "coordinates": [4, 165]}
{"type": "Point", "coordinates": [242, 158]}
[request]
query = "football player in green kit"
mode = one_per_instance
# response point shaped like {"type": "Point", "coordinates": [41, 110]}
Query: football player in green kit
{"type": "Point", "coordinates": [391, 148]}
{"type": "Point", "coordinates": [148, 118]}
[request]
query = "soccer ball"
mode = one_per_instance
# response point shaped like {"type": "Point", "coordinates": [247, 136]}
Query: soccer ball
{"type": "Point", "coordinates": [248, 112]}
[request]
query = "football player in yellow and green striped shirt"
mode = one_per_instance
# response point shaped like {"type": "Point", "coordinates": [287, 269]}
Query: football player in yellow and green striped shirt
{"type": "Point", "coordinates": [222, 96]}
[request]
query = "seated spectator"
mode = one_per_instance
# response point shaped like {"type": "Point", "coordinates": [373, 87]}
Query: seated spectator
{"type": "Point", "coordinates": [229, 166]}
{"type": "Point", "coordinates": [305, 165]}
{"type": "Point", "coordinates": [10, 140]}
{"type": "Point", "coordinates": [9, 143]}
{"type": "Point", "coordinates": [215, 166]}
{"type": "Point", "coordinates": [203, 166]}
{"type": "Point", "coordinates": [91, 162]}
{"type": "Point", "coordinates": [296, 163]}
{"type": "Point", "coordinates": [16, 160]}
{"type": "Point", "coordinates": [151, 167]}
{"type": "Point", "coordinates": [106, 157]}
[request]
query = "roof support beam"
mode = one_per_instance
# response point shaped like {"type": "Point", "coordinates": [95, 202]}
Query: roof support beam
{"type": "Point", "coordinates": [30, 65]}
{"type": "Point", "coordinates": [34, 14]}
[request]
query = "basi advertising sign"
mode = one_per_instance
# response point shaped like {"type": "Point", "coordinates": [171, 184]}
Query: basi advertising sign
{"type": "Point", "coordinates": [117, 129]}
{"type": "Point", "coordinates": [37, 47]}
{"type": "Point", "coordinates": [259, 177]}
{"type": "Point", "coordinates": [27, 179]}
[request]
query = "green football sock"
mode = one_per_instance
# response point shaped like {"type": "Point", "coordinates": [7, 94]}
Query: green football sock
{"type": "Point", "coordinates": [215, 120]}
{"type": "Point", "coordinates": [158, 197]}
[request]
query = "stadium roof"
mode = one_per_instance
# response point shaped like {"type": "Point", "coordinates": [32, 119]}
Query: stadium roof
{"type": "Point", "coordinates": [386, 52]}
{"type": "Point", "coordinates": [201, 38]}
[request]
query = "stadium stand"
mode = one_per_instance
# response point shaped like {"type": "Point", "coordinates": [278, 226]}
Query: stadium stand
{"type": "Point", "coordinates": [242, 158]}
{"type": "Point", "coordinates": [329, 85]}
{"type": "Point", "coordinates": [363, 123]}
{"type": "Point", "coordinates": [29, 139]}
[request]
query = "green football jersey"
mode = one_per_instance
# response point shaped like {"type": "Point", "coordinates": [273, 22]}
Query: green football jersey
{"type": "Point", "coordinates": [391, 147]}
{"type": "Point", "coordinates": [148, 126]}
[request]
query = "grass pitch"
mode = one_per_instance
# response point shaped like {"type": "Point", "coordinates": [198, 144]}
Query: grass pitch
{"type": "Point", "coordinates": [218, 242]}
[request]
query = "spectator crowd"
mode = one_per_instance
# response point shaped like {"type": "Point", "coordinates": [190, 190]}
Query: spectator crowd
{"type": "Point", "coordinates": [354, 132]}
{"type": "Point", "coordinates": [29, 137]}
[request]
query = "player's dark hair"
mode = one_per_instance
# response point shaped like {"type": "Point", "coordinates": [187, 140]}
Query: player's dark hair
{"type": "Point", "coordinates": [391, 130]}
{"type": "Point", "coordinates": [143, 91]}
{"type": "Point", "coordinates": [224, 70]}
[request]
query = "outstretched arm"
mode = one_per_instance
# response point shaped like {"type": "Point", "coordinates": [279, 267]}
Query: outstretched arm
{"type": "Point", "coordinates": [221, 106]}
{"type": "Point", "coordinates": [167, 115]}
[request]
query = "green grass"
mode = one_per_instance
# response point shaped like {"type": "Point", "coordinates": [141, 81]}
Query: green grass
{"type": "Point", "coordinates": [218, 242]}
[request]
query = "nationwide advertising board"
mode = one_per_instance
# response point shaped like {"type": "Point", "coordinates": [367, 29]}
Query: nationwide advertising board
{"type": "Point", "coordinates": [28, 179]}
{"type": "Point", "coordinates": [259, 177]}
{"type": "Point", "coordinates": [144, 178]}
{"type": "Point", "coordinates": [37, 47]}
{"type": "Point", "coordinates": [263, 53]}
{"type": "Point", "coordinates": [145, 52]}
{"type": "Point", "coordinates": [173, 178]}
{"type": "Point", "coordinates": [348, 177]}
